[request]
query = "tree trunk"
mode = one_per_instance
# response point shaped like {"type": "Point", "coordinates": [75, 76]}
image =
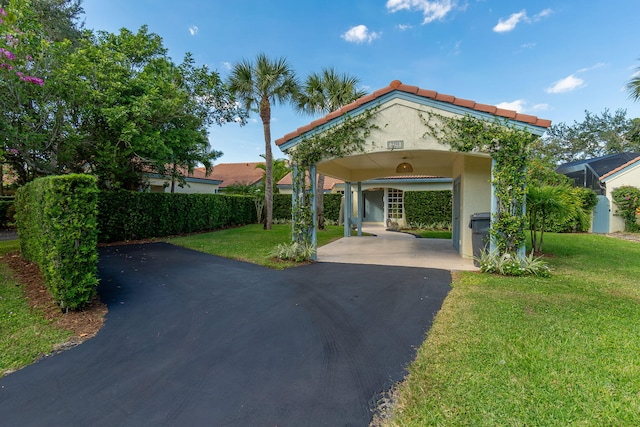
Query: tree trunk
{"type": "Point", "coordinates": [265, 115]}
{"type": "Point", "coordinates": [320, 201]}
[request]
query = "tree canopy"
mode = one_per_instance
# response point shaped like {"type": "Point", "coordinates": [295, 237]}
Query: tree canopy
{"type": "Point", "coordinates": [114, 105]}
{"type": "Point", "coordinates": [596, 136]}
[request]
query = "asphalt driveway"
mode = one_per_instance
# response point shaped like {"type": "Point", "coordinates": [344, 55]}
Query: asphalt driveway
{"type": "Point", "coordinates": [194, 339]}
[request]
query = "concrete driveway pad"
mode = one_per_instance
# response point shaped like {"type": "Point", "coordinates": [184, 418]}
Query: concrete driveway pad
{"type": "Point", "coordinates": [195, 339]}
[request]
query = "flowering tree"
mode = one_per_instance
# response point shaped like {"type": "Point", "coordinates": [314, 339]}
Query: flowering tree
{"type": "Point", "coordinates": [10, 63]}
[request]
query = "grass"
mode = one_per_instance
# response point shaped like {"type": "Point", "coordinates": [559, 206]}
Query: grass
{"type": "Point", "coordinates": [24, 333]}
{"type": "Point", "coordinates": [562, 351]}
{"type": "Point", "coordinates": [432, 234]}
{"type": "Point", "coordinates": [251, 243]}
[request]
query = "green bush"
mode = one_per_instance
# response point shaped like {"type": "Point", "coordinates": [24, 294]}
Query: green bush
{"type": "Point", "coordinates": [428, 207]}
{"type": "Point", "coordinates": [282, 206]}
{"type": "Point", "coordinates": [574, 223]}
{"type": "Point", "coordinates": [7, 211]}
{"type": "Point", "coordinates": [125, 215]}
{"type": "Point", "coordinates": [57, 223]}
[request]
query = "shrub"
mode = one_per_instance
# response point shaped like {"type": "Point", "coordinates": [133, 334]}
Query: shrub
{"type": "Point", "coordinates": [127, 215]}
{"type": "Point", "coordinates": [282, 206]}
{"type": "Point", "coordinates": [7, 211]}
{"type": "Point", "coordinates": [294, 251]}
{"type": "Point", "coordinates": [508, 265]}
{"type": "Point", "coordinates": [627, 198]}
{"type": "Point", "coordinates": [428, 207]}
{"type": "Point", "coordinates": [57, 221]}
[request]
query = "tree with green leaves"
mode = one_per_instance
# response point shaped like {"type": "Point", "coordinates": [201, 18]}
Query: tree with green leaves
{"type": "Point", "coordinates": [596, 136]}
{"type": "Point", "coordinates": [280, 169]}
{"type": "Point", "coordinates": [323, 93]}
{"type": "Point", "coordinates": [258, 85]}
{"type": "Point", "coordinates": [548, 203]}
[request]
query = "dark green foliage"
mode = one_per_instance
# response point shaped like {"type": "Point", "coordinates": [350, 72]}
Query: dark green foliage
{"type": "Point", "coordinates": [282, 206]}
{"type": "Point", "coordinates": [127, 215]}
{"type": "Point", "coordinates": [6, 211]}
{"type": "Point", "coordinates": [579, 224]}
{"type": "Point", "coordinates": [627, 198]}
{"type": "Point", "coordinates": [332, 203]}
{"type": "Point", "coordinates": [427, 207]}
{"type": "Point", "coordinates": [57, 222]}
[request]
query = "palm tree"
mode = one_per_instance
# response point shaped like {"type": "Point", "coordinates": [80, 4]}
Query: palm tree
{"type": "Point", "coordinates": [321, 94]}
{"type": "Point", "coordinates": [633, 86]}
{"type": "Point", "coordinates": [258, 85]}
{"type": "Point", "coordinates": [280, 170]}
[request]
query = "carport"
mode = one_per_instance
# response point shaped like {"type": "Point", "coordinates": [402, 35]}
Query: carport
{"type": "Point", "coordinates": [400, 145]}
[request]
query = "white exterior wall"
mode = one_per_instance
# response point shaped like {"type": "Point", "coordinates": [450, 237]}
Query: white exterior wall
{"type": "Point", "coordinates": [629, 176]}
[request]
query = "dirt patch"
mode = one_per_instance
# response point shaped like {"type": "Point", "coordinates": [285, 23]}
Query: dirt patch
{"type": "Point", "coordinates": [634, 237]}
{"type": "Point", "coordinates": [83, 324]}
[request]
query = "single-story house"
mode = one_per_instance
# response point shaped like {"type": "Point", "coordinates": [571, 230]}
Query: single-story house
{"type": "Point", "coordinates": [196, 182]}
{"type": "Point", "coordinates": [383, 197]}
{"type": "Point", "coordinates": [222, 176]}
{"type": "Point", "coordinates": [603, 175]}
{"type": "Point", "coordinates": [400, 145]}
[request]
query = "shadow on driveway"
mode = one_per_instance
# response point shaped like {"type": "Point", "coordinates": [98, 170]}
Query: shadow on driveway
{"type": "Point", "coordinates": [195, 339]}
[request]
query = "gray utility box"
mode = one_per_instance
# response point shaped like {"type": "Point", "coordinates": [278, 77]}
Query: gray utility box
{"type": "Point", "coordinates": [479, 225]}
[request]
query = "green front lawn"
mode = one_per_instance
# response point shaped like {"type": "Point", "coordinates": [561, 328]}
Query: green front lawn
{"type": "Point", "coordinates": [24, 333]}
{"type": "Point", "coordinates": [250, 243]}
{"type": "Point", "coordinates": [531, 351]}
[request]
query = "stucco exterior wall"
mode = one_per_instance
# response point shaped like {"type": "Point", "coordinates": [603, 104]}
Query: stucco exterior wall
{"type": "Point", "coordinates": [629, 176]}
{"type": "Point", "coordinates": [475, 189]}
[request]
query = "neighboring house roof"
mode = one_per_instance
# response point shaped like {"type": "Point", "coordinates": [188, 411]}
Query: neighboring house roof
{"type": "Point", "coordinates": [198, 175]}
{"type": "Point", "coordinates": [630, 164]}
{"type": "Point", "coordinates": [398, 86]}
{"type": "Point", "coordinates": [600, 166]}
{"type": "Point", "coordinates": [237, 173]}
{"type": "Point", "coordinates": [330, 182]}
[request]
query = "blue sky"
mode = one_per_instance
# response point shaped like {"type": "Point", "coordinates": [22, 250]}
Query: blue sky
{"type": "Point", "coordinates": [552, 59]}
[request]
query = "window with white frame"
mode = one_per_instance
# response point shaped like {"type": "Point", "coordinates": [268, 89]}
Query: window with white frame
{"type": "Point", "coordinates": [394, 204]}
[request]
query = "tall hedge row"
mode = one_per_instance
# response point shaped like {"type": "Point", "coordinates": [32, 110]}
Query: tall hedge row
{"type": "Point", "coordinates": [125, 215]}
{"type": "Point", "coordinates": [57, 223]}
{"type": "Point", "coordinates": [282, 206]}
{"type": "Point", "coordinates": [428, 207]}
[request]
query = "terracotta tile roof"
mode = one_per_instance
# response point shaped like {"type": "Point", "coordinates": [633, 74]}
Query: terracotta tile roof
{"type": "Point", "coordinates": [397, 85]}
{"type": "Point", "coordinates": [237, 173]}
{"type": "Point", "coordinates": [619, 168]}
{"type": "Point", "coordinates": [201, 173]}
{"type": "Point", "coordinates": [329, 182]}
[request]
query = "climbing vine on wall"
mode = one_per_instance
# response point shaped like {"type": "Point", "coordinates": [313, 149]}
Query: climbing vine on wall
{"type": "Point", "coordinates": [509, 147]}
{"type": "Point", "coordinates": [347, 138]}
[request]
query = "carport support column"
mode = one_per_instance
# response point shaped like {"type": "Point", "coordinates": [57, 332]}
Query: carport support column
{"type": "Point", "coordinates": [348, 209]}
{"type": "Point", "coordinates": [314, 227]}
{"type": "Point", "coordinates": [494, 207]}
{"type": "Point", "coordinates": [360, 208]}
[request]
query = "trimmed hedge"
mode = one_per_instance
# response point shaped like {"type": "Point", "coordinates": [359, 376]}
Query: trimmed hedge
{"type": "Point", "coordinates": [57, 223]}
{"type": "Point", "coordinates": [428, 207]}
{"type": "Point", "coordinates": [282, 206]}
{"type": "Point", "coordinates": [125, 215]}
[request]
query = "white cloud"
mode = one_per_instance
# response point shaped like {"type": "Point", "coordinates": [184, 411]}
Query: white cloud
{"type": "Point", "coordinates": [226, 65]}
{"type": "Point", "coordinates": [542, 14]}
{"type": "Point", "coordinates": [360, 34]}
{"type": "Point", "coordinates": [593, 67]}
{"type": "Point", "coordinates": [509, 24]}
{"type": "Point", "coordinates": [403, 27]}
{"type": "Point", "coordinates": [528, 45]}
{"type": "Point", "coordinates": [517, 105]}
{"type": "Point", "coordinates": [540, 107]}
{"type": "Point", "coordinates": [566, 85]}
{"type": "Point", "coordinates": [431, 10]}
{"type": "Point", "coordinates": [193, 30]}
{"type": "Point", "coordinates": [506, 25]}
